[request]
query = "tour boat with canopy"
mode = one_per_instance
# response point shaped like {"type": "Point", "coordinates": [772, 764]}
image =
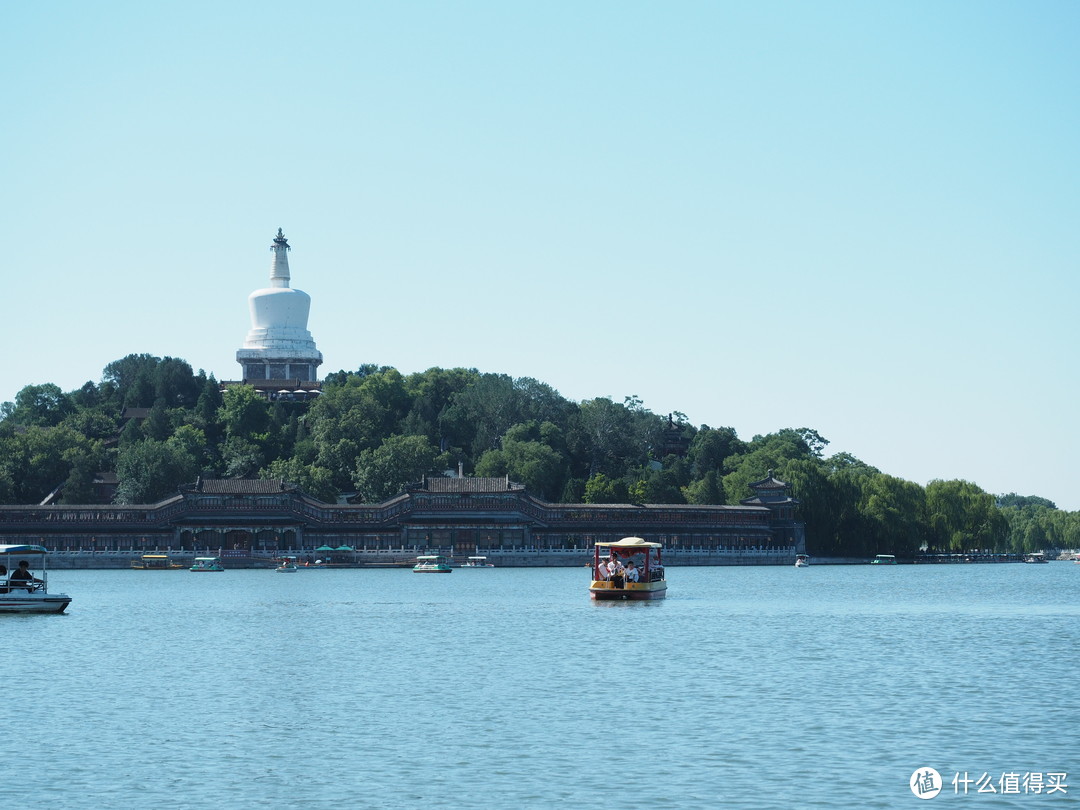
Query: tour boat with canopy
{"type": "Point", "coordinates": [477, 562]}
{"type": "Point", "coordinates": [206, 564]}
{"type": "Point", "coordinates": [432, 564]}
{"type": "Point", "coordinates": [155, 562]}
{"type": "Point", "coordinates": [630, 568]}
{"type": "Point", "coordinates": [27, 595]}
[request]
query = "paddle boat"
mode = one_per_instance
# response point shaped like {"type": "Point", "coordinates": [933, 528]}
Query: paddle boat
{"type": "Point", "coordinates": [26, 593]}
{"type": "Point", "coordinates": [884, 559]}
{"type": "Point", "coordinates": [630, 568]}
{"type": "Point", "coordinates": [802, 560]}
{"type": "Point", "coordinates": [1035, 557]}
{"type": "Point", "coordinates": [206, 564]}
{"type": "Point", "coordinates": [432, 564]}
{"type": "Point", "coordinates": [287, 566]}
{"type": "Point", "coordinates": [155, 562]}
{"type": "Point", "coordinates": [477, 562]}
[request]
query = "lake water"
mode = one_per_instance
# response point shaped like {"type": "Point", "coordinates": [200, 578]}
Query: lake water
{"type": "Point", "coordinates": [504, 688]}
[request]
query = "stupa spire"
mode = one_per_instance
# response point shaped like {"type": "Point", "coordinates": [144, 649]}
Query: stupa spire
{"type": "Point", "coordinates": [279, 265]}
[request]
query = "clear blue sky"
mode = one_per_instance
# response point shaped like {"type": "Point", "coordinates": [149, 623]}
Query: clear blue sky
{"type": "Point", "coordinates": [857, 217]}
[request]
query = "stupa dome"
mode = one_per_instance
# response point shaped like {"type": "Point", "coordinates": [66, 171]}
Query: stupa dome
{"type": "Point", "coordinates": [279, 345]}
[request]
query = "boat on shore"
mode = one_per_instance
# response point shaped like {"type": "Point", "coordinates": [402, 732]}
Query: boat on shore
{"type": "Point", "coordinates": [630, 568]}
{"type": "Point", "coordinates": [155, 562]}
{"type": "Point", "coordinates": [206, 564]}
{"type": "Point", "coordinates": [23, 592]}
{"type": "Point", "coordinates": [432, 564]}
{"type": "Point", "coordinates": [477, 562]}
{"type": "Point", "coordinates": [802, 560]}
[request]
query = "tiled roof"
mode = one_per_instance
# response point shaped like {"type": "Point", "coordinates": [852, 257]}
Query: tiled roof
{"type": "Point", "coordinates": [769, 500]}
{"type": "Point", "coordinates": [240, 486]}
{"type": "Point", "coordinates": [444, 484]}
{"type": "Point", "coordinates": [768, 482]}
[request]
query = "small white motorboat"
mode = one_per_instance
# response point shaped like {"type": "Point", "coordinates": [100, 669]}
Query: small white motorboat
{"type": "Point", "coordinates": [21, 591]}
{"type": "Point", "coordinates": [802, 560]}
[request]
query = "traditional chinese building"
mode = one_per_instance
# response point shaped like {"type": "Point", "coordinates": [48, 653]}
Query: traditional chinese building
{"type": "Point", "coordinates": [460, 516]}
{"type": "Point", "coordinates": [773, 494]}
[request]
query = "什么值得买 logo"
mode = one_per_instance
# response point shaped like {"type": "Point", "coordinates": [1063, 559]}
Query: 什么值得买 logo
{"type": "Point", "coordinates": [925, 783]}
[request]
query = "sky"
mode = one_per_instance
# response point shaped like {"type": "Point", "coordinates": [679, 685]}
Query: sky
{"type": "Point", "coordinates": [860, 218]}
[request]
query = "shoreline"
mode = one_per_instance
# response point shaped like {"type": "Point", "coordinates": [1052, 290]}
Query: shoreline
{"type": "Point", "coordinates": [400, 558]}
{"type": "Point", "coordinates": [523, 558]}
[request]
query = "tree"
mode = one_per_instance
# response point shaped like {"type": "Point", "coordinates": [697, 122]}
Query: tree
{"type": "Point", "coordinates": [479, 415]}
{"type": "Point", "coordinates": [241, 458]}
{"type": "Point", "coordinates": [610, 437]}
{"type": "Point", "coordinates": [37, 460]}
{"type": "Point", "coordinates": [660, 485]}
{"type": "Point", "coordinates": [191, 444]}
{"type": "Point", "coordinates": [820, 505]}
{"type": "Point", "coordinates": [384, 471]}
{"type": "Point", "coordinates": [149, 471]}
{"type": "Point", "coordinates": [431, 393]}
{"type": "Point", "coordinates": [352, 416]}
{"type": "Point", "coordinates": [85, 463]}
{"type": "Point", "coordinates": [175, 384]}
{"type": "Point", "coordinates": [527, 459]}
{"type": "Point", "coordinates": [207, 405]}
{"type": "Point", "coordinates": [705, 490]}
{"type": "Point", "coordinates": [961, 517]}
{"type": "Point", "coordinates": [157, 425]}
{"type": "Point", "coordinates": [123, 373]}
{"type": "Point", "coordinates": [1022, 501]}
{"type": "Point", "coordinates": [41, 405]}
{"type": "Point", "coordinates": [711, 447]}
{"type": "Point", "coordinates": [244, 414]}
{"type": "Point", "coordinates": [894, 514]}
{"type": "Point", "coordinates": [771, 452]}
{"type": "Point", "coordinates": [312, 480]}
{"type": "Point", "coordinates": [602, 489]}
{"type": "Point", "coordinates": [93, 423]}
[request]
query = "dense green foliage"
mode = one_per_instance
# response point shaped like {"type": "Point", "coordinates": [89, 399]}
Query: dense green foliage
{"type": "Point", "coordinates": [374, 430]}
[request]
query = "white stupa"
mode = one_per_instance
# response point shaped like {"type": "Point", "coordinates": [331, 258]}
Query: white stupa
{"type": "Point", "coordinates": [279, 346]}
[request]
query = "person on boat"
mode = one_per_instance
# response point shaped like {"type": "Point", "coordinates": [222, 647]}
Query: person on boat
{"type": "Point", "coordinates": [632, 572]}
{"type": "Point", "coordinates": [3, 579]}
{"type": "Point", "coordinates": [23, 576]}
{"type": "Point", "coordinates": [602, 572]}
{"type": "Point", "coordinates": [615, 571]}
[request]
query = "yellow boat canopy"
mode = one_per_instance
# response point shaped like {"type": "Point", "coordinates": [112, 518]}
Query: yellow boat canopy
{"type": "Point", "coordinates": [629, 543]}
